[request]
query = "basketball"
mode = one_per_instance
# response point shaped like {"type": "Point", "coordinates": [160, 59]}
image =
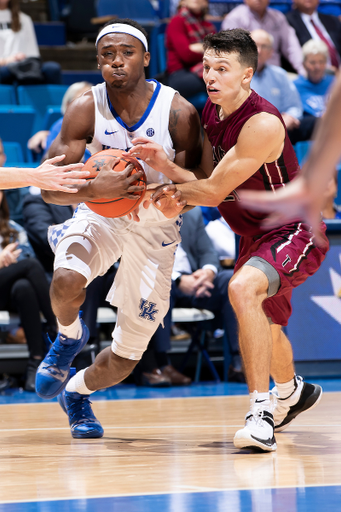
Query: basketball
{"type": "Point", "coordinates": [119, 206]}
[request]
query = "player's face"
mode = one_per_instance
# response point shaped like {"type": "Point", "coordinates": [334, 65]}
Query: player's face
{"type": "Point", "coordinates": [121, 59]}
{"type": "Point", "coordinates": [225, 78]}
{"type": "Point", "coordinates": [315, 66]}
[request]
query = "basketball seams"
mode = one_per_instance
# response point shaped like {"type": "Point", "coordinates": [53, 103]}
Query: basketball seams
{"type": "Point", "coordinates": [103, 206]}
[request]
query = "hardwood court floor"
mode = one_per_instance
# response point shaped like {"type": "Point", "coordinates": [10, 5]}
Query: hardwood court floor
{"type": "Point", "coordinates": [161, 446]}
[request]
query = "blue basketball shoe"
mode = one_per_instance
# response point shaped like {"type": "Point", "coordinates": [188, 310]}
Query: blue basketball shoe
{"type": "Point", "coordinates": [54, 370]}
{"type": "Point", "coordinates": [83, 422]}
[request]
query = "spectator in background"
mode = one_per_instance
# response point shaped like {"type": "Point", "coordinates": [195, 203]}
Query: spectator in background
{"type": "Point", "coordinates": [41, 141]}
{"type": "Point", "coordinates": [255, 14]}
{"type": "Point", "coordinates": [221, 235]}
{"type": "Point", "coordinates": [24, 289]}
{"type": "Point", "coordinates": [216, 10]}
{"type": "Point", "coordinates": [314, 88]}
{"type": "Point", "coordinates": [272, 83]}
{"type": "Point", "coordinates": [310, 24]}
{"type": "Point", "coordinates": [184, 38]}
{"type": "Point", "coordinates": [18, 43]}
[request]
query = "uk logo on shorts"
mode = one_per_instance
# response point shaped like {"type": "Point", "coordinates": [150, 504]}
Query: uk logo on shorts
{"type": "Point", "coordinates": [148, 310]}
{"type": "Point", "coordinates": [150, 132]}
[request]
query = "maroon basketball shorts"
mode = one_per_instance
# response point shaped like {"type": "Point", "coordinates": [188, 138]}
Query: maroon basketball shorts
{"type": "Point", "coordinates": [287, 256]}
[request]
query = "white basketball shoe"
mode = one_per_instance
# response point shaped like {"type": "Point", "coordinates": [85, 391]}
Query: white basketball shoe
{"type": "Point", "coordinates": [258, 433]}
{"type": "Point", "coordinates": [305, 397]}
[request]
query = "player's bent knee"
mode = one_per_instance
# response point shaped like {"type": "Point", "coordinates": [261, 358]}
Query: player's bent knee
{"type": "Point", "coordinates": [243, 293]}
{"type": "Point", "coordinates": [67, 284]}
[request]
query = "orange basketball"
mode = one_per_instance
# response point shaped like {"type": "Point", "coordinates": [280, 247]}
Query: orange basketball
{"type": "Point", "coordinates": [120, 206]}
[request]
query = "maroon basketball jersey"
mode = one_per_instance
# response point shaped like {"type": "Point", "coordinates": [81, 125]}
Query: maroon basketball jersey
{"type": "Point", "coordinates": [223, 136]}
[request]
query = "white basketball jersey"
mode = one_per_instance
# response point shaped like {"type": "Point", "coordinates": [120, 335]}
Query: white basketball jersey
{"type": "Point", "coordinates": [112, 132]}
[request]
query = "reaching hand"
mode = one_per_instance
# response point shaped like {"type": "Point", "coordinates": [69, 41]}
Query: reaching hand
{"type": "Point", "coordinates": [109, 184]}
{"type": "Point", "coordinates": [150, 152]}
{"type": "Point", "coordinates": [51, 177]}
{"type": "Point", "coordinates": [167, 199]}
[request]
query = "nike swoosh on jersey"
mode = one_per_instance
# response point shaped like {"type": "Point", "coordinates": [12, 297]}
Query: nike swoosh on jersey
{"type": "Point", "coordinates": [165, 245]}
{"type": "Point", "coordinates": [110, 133]}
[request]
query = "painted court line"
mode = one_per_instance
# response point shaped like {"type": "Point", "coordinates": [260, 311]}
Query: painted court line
{"type": "Point", "coordinates": [165, 493]}
{"type": "Point", "coordinates": [151, 427]}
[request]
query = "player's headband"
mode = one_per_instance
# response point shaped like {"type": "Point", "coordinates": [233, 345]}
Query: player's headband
{"type": "Point", "coordinates": [123, 28]}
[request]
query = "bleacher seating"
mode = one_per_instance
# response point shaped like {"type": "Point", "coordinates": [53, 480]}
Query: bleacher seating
{"type": "Point", "coordinates": [70, 77]}
{"type": "Point", "coordinates": [51, 116]}
{"type": "Point", "coordinates": [332, 7]}
{"type": "Point", "coordinates": [50, 34]}
{"type": "Point", "coordinates": [7, 95]}
{"type": "Point", "coordinates": [40, 97]}
{"type": "Point", "coordinates": [141, 11]}
{"type": "Point", "coordinates": [14, 153]}
{"type": "Point", "coordinates": [16, 124]}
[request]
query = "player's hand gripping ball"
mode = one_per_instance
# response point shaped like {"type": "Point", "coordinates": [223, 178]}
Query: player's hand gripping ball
{"type": "Point", "coordinates": [119, 206]}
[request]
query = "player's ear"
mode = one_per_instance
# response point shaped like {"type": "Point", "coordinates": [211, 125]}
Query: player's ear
{"type": "Point", "coordinates": [98, 65]}
{"type": "Point", "coordinates": [146, 59]}
{"type": "Point", "coordinates": [248, 74]}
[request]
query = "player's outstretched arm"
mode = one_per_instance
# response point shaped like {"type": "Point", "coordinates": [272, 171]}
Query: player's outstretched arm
{"type": "Point", "coordinates": [303, 197]}
{"type": "Point", "coordinates": [238, 164]}
{"type": "Point", "coordinates": [65, 178]}
{"type": "Point", "coordinates": [47, 176]}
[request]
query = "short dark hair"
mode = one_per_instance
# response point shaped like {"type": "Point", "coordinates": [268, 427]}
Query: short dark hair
{"type": "Point", "coordinates": [126, 21]}
{"type": "Point", "coordinates": [235, 40]}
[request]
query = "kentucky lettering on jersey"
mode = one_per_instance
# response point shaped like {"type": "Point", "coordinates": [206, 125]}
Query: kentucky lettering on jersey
{"type": "Point", "coordinates": [112, 132]}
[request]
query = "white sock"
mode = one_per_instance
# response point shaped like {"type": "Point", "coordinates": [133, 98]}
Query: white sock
{"type": "Point", "coordinates": [77, 384]}
{"type": "Point", "coordinates": [73, 330]}
{"type": "Point", "coordinates": [262, 398]}
{"type": "Point", "coordinates": [285, 389]}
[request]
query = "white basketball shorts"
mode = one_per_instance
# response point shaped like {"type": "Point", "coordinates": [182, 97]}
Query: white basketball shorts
{"type": "Point", "coordinates": [90, 244]}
